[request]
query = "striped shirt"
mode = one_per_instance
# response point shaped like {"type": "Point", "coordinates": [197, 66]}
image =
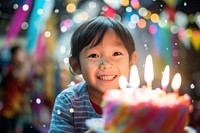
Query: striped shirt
{"type": "Point", "coordinates": [72, 107]}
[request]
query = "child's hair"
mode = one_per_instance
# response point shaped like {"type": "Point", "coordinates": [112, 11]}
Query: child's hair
{"type": "Point", "coordinates": [14, 49]}
{"type": "Point", "coordinates": [92, 32]}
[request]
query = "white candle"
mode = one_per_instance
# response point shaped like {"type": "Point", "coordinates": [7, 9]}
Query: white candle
{"type": "Point", "coordinates": [123, 82]}
{"type": "Point", "coordinates": [165, 78]}
{"type": "Point", "coordinates": [134, 79]}
{"type": "Point", "coordinates": [126, 93]}
{"type": "Point", "coordinates": [176, 82]}
{"type": "Point", "coordinates": [148, 71]}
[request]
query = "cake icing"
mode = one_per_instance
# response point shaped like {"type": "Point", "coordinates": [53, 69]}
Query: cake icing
{"type": "Point", "coordinates": [148, 111]}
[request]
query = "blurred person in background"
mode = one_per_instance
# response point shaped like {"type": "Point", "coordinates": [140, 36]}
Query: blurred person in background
{"type": "Point", "coordinates": [15, 86]}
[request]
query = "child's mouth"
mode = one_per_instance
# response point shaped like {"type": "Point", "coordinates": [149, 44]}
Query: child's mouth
{"type": "Point", "coordinates": [107, 77]}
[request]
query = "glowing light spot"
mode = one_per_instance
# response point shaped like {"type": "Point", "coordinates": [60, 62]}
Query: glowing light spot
{"type": "Point", "coordinates": [71, 7]}
{"type": "Point", "coordinates": [15, 6]}
{"type": "Point", "coordinates": [188, 33]}
{"type": "Point", "coordinates": [62, 49]}
{"type": "Point", "coordinates": [71, 110]}
{"type": "Point", "coordinates": [58, 112]}
{"type": "Point", "coordinates": [192, 86]}
{"type": "Point", "coordinates": [178, 62]}
{"type": "Point", "coordinates": [174, 29]}
{"type": "Point", "coordinates": [146, 46]}
{"type": "Point", "coordinates": [135, 4]}
{"type": "Point", "coordinates": [66, 60]}
{"type": "Point", "coordinates": [25, 7]}
{"type": "Point", "coordinates": [63, 28]}
{"type": "Point", "coordinates": [163, 23]}
{"type": "Point", "coordinates": [124, 2]}
{"type": "Point", "coordinates": [84, 16]}
{"type": "Point", "coordinates": [113, 3]}
{"type": "Point", "coordinates": [143, 11]}
{"type": "Point", "coordinates": [128, 9]}
{"type": "Point", "coordinates": [154, 18]}
{"type": "Point", "coordinates": [152, 29]}
{"type": "Point", "coordinates": [131, 25]}
{"type": "Point", "coordinates": [148, 15]}
{"type": "Point", "coordinates": [92, 5]}
{"type": "Point", "coordinates": [40, 11]}
{"type": "Point", "coordinates": [44, 125]}
{"type": "Point", "coordinates": [47, 34]}
{"type": "Point", "coordinates": [141, 23]}
{"type": "Point", "coordinates": [66, 23]}
{"type": "Point", "coordinates": [56, 10]}
{"type": "Point", "coordinates": [38, 101]}
{"type": "Point", "coordinates": [135, 18]}
{"type": "Point", "coordinates": [72, 83]}
{"type": "Point", "coordinates": [198, 18]}
{"type": "Point", "coordinates": [185, 3]}
{"type": "Point", "coordinates": [24, 25]}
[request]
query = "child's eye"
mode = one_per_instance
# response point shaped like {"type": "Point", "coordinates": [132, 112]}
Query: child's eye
{"type": "Point", "coordinates": [93, 56]}
{"type": "Point", "coordinates": [117, 53]}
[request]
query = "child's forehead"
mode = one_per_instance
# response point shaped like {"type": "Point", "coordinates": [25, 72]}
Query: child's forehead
{"type": "Point", "coordinates": [116, 44]}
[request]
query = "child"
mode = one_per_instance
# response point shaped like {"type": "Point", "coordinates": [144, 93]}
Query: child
{"type": "Point", "coordinates": [102, 49]}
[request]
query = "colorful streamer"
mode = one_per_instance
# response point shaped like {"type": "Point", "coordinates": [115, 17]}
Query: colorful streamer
{"type": "Point", "coordinates": [40, 13]}
{"type": "Point", "coordinates": [19, 17]}
{"type": "Point", "coordinates": [162, 41]}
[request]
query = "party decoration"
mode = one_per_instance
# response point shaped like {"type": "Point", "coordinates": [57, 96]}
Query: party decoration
{"type": "Point", "coordinates": [40, 13]}
{"type": "Point", "coordinates": [19, 17]}
{"type": "Point", "coordinates": [197, 19]}
{"type": "Point", "coordinates": [162, 42]}
{"type": "Point", "coordinates": [171, 3]}
{"type": "Point", "coordinates": [195, 39]}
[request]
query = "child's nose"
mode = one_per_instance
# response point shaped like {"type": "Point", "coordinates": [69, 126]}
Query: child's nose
{"type": "Point", "coordinates": [106, 64]}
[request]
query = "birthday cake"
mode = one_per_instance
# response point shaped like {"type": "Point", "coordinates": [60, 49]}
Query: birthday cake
{"type": "Point", "coordinates": [149, 111]}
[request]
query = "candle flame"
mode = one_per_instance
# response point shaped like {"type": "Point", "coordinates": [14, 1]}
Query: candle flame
{"type": "Point", "coordinates": [134, 79]}
{"type": "Point", "coordinates": [148, 70]}
{"type": "Point", "coordinates": [165, 78]}
{"type": "Point", "coordinates": [123, 82]}
{"type": "Point", "coordinates": [176, 82]}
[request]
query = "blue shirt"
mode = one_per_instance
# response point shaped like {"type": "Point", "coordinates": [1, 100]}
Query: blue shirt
{"type": "Point", "coordinates": [71, 108]}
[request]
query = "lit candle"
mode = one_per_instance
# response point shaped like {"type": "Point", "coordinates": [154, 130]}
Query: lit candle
{"type": "Point", "coordinates": [165, 78]}
{"type": "Point", "coordinates": [123, 82]}
{"type": "Point", "coordinates": [134, 79]}
{"type": "Point", "coordinates": [148, 71]}
{"type": "Point", "coordinates": [176, 82]}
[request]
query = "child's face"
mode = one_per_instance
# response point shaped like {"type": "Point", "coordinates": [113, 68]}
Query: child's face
{"type": "Point", "coordinates": [102, 65]}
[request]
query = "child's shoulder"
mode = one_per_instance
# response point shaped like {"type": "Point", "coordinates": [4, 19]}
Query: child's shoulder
{"type": "Point", "coordinates": [75, 90]}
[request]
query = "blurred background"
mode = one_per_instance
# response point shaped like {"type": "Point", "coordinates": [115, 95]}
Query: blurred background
{"type": "Point", "coordinates": [169, 30]}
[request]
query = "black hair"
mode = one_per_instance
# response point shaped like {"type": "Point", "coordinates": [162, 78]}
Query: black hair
{"type": "Point", "coordinates": [14, 49]}
{"type": "Point", "coordinates": [92, 33]}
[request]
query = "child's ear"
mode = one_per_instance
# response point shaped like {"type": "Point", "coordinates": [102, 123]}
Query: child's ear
{"type": "Point", "coordinates": [75, 65]}
{"type": "Point", "coordinates": [134, 58]}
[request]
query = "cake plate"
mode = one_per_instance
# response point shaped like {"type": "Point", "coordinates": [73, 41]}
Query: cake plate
{"type": "Point", "coordinates": [96, 124]}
